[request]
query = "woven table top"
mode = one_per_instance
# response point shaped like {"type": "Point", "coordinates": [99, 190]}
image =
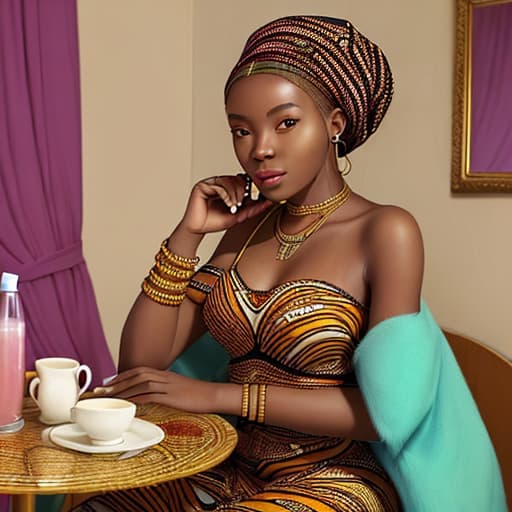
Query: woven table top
{"type": "Point", "coordinates": [193, 443]}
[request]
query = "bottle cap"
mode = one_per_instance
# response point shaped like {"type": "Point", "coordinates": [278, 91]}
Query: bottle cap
{"type": "Point", "coordinates": [9, 282]}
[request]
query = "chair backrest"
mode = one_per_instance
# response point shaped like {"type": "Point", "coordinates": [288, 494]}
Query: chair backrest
{"type": "Point", "coordinates": [489, 376]}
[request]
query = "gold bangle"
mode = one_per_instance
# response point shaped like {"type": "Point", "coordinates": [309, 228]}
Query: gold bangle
{"type": "Point", "coordinates": [161, 258]}
{"type": "Point", "coordinates": [253, 402]}
{"type": "Point", "coordinates": [162, 301]}
{"type": "Point", "coordinates": [245, 400]}
{"type": "Point", "coordinates": [262, 396]}
{"type": "Point", "coordinates": [183, 261]}
{"type": "Point", "coordinates": [163, 298]}
{"type": "Point", "coordinates": [166, 283]}
{"type": "Point", "coordinates": [149, 287]}
{"type": "Point", "coordinates": [172, 271]}
{"type": "Point", "coordinates": [168, 279]}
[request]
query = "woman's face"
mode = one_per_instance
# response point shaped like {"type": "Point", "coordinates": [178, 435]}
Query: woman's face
{"type": "Point", "coordinates": [280, 138]}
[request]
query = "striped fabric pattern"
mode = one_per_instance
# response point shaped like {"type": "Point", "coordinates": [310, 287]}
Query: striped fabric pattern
{"type": "Point", "coordinates": [302, 333]}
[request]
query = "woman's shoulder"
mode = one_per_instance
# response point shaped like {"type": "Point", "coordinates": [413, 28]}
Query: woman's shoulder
{"type": "Point", "coordinates": [383, 223]}
{"type": "Point", "coordinates": [389, 229]}
{"type": "Point", "coordinates": [394, 261]}
{"type": "Point", "coordinates": [390, 222]}
{"type": "Point", "coordinates": [384, 230]}
{"type": "Point", "coordinates": [392, 239]}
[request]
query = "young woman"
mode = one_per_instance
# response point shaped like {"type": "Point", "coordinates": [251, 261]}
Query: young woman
{"type": "Point", "coordinates": [297, 280]}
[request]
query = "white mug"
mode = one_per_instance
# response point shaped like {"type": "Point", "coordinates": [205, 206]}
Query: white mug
{"type": "Point", "coordinates": [104, 420]}
{"type": "Point", "coordinates": [57, 387]}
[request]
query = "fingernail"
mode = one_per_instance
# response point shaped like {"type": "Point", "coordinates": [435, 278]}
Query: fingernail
{"type": "Point", "coordinates": [103, 390]}
{"type": "Point", "coordinates": [254, 192]}
{"type": "Point", "coordinates": [239, 204]}
{"type": "Point", "coordinates": [233, 209]}
{"type": "Point", "coordinates": [106, 380]}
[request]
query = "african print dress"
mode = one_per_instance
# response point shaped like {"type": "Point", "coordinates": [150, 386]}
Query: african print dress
{"type": "Point", "coordinates": [300, 334]}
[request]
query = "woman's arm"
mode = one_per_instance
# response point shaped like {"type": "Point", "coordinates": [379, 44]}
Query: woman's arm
{"type": "Point", "coordinates": [153, 334]}
{"type": "Point", "coordinates": [335, 411]}
{"type": "Point", "coordinates": [394, 271]}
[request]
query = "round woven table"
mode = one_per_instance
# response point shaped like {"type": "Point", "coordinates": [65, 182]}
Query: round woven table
{"type": "Point", "coordinates": [192, 443]}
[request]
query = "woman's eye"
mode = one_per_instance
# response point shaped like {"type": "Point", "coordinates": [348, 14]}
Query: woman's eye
{"type": "Point", "coordinates": [239, 132]}
{"type": "Point", "coordinates": [288, 123]}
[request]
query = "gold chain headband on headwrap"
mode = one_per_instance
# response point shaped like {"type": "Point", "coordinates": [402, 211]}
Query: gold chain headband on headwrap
{"type": "Point", "coordinates": [345, 67]}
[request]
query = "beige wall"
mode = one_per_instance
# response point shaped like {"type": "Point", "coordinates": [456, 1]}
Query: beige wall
{"type": "Point", "coordinates": [136, 74]}
{"type": "Point", "coordinates": [153, 125]}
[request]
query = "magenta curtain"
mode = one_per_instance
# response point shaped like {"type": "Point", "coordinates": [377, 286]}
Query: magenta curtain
{"type": "Point", "coordinates": [491, 100]}
{"type": "Point", "coordinates": [41, 181]}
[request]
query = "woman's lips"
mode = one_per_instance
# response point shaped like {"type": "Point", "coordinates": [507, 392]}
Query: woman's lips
{"type": "Point", "coordinates": [268, 177]}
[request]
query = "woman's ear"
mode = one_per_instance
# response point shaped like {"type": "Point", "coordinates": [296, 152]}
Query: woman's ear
{"type": "Point", "coordinates": [336, 122]}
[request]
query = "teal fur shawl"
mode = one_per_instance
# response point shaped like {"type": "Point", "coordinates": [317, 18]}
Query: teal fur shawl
{"type": "Point", "coordinates": [433, 442]}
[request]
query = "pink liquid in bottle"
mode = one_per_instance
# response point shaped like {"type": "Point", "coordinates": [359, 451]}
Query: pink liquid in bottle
{"type": "Point", "coordinates": [12, 370]}
{"type": "Point", "coordinates": [12, 355]}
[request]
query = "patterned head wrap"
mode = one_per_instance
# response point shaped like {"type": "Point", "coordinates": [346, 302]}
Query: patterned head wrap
{"type": "Point", "coordinates": [329, 54]}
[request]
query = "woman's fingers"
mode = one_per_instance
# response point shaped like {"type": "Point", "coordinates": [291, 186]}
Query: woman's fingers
{"type": "Point", "coordinates": [142, 388]}
{"type": "Point", "coordinates": [251, 209]}
{"type": "Point", "coordinates": [145, 385]}
{"type": "Point", "coordinates": [230, 189]}
{"type": "Point", "coordinates": [132, 379]}
{"type": "Point", "coordinates": [219, 202]}
{"type": "Point", "coordinates": [151, 398]}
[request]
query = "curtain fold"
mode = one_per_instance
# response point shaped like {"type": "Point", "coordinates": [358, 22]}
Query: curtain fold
{"type": "Point", "coordinates": [41, 182]}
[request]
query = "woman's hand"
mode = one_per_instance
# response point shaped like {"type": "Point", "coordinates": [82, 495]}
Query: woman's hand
{"type": "Point", "coordinates": [144, 385]}
{"type": "Point", "coordinates": [218, 203]}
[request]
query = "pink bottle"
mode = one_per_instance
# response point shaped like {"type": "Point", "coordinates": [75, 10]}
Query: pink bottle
{"type": "Point", "coordinates": [12, 355]}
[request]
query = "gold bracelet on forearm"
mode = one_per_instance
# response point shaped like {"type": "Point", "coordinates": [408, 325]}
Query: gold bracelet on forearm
{"type": "Point", "coordinates": [166, 284]}
{"type": "Point", "coordinates": [262, 397]}
{"type": "Point", "coordinates": [175, 259]}
{"type": "Point", "coordinates": [165, 299]}
{"type": "Point", "coordinates": [254, 402]}
{"type": "Point", "coordinates": [245, 400]}
{"type": "Point", "coordinates": [168, 279]}
{"type": "Point", "coordinates": [166, 269]}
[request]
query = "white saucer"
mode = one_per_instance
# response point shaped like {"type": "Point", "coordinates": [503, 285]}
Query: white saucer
{"type": "Point", "coordinates": [141, 434]}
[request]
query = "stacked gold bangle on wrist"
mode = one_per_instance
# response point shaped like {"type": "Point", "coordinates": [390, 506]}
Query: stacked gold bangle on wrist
{"type": "Point", "coordinates": [245, 400]}
{"type": "Point", "coordinates": [169, 277]}
{"type": "Point", "coordinates": [253, 402]}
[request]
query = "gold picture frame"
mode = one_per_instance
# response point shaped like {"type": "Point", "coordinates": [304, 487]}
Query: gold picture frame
{"type": "Point", "coordinates": [463, 178]}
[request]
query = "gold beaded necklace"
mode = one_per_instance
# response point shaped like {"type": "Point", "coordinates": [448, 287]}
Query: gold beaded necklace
{"type": "Point", "coordinates": [288, 244]}
{"type": "Point", "coordinates": [320, 208]}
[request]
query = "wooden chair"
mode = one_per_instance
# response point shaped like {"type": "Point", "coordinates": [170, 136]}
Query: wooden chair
{"type": "Point", "coordinates": [489, 376]}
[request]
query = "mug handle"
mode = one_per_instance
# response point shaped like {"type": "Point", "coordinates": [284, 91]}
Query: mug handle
{"type": "Point", "coordinates": [88, 377]}
{"type": "Point", "coordinates": [34, 383]}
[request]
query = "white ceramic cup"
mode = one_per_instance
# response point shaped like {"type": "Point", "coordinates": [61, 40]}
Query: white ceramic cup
{"type": "Point", "coordinates": [56, 388]}
{"type": "Point", "coordinates": [104, 420]}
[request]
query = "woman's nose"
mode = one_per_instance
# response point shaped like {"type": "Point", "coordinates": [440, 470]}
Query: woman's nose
{"type": "Point", "coordinates": [263, 148]}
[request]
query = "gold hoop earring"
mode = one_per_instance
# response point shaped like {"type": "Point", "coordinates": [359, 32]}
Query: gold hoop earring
{"type": "Point", "coordinates": [347, 166]}
{"type": "Point", "coordinates": [341, 153]}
